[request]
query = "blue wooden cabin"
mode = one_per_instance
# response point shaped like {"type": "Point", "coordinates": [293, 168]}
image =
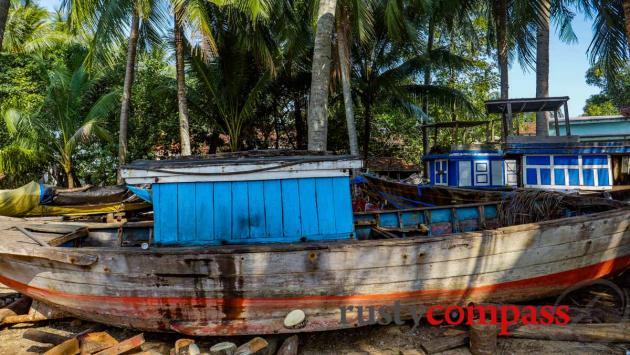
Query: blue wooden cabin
{"type": "Point", "coordinates": [562, 161]}
{"type": "Point", "coordinates": [257, 199]}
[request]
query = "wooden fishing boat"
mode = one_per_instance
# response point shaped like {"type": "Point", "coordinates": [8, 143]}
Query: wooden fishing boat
{"type": "Point", "coordinates": [432, 255]}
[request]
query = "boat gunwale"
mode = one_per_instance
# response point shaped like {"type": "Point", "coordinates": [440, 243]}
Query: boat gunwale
{"type": "Point", "coordinates": [32, 250]}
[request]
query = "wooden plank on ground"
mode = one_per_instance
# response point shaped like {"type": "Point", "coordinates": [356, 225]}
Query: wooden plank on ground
{"type": "Point", "coordinates": [124, 346]}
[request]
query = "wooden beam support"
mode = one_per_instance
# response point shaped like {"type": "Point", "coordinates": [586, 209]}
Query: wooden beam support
{"type": "Point", "coordinates": [567, 124]}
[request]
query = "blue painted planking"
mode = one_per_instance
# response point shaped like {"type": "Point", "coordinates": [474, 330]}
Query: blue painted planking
{"type": "Point", "coordinates": [594, 160]}
{"type": "Point", "coordinates": [291, 207]}
{"type": "Point", "coordinates": [257, 213]}
{"type": "Point", "coordinates": [558, 177]}
{"type": "Point", "coordinates": [532, 177]}
{"type": "Point", "coordinates": [545, 176]}
{"type": "Point", "coordinates": [438, 216]}
{"type": "Point", "coordinates": [252, 212]}
{"type": "Point", "coordinates": [411, 219]}
{"type": "Point", "coordinates": [467, 213]}
{"type": "Point", "coordinates": [222, 211]}
{"type": "Point", "coordinates": [167, 213]}
{"type": "Point", "coordinates": [389, 220]}
{"type": "Point", "coordinates": [240, 211]}
{"type": "Point", "coordinates": [308, 207]}
{"type": "Point", "coordinates": [204, 202]}
{"type": "Point", "coordinates": [325, 210]}
{"type": "Point", "coordinates": [186, 216]}
{"type": "Point", "coordinates": [157, 206]}
{"type": "Point", "coordinates": [565, 160]}
{"type": "Point", "coordinates": [273, 209]}
{"type": "Point", "coordinates": [490, 212]}
{"type": "Point", "coordinates": [588, 177]}
{"type": "Point", "coordinates": [343, 205]}
{"type": "Point", "coordinates": [602, 177]}
{"type": "Point", "coordinates": [574, 177]}
{"type": "Point", "coordinates": [538, 160]}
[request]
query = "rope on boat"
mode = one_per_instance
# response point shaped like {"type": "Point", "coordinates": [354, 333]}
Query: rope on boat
{"type": "Point", "coordinates": [531, 206]}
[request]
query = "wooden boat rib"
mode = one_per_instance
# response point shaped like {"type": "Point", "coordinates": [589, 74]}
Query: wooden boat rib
{"type": "Point", "coordinates": [229, 290]}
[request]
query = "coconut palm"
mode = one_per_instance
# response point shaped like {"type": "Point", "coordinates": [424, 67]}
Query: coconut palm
{"type": "Point", "coordinates": [62, 123]}
{"type": "Point", "coordinates": [610, 47]}
{"type": "Point", "coordinates": [317, 118]}
{"type": "Point", "coordinates": [385, 71]}
{"type": "Point", "coordinates": [4, 15]}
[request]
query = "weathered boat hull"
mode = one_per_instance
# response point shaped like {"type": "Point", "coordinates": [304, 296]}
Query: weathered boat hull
{"type": "Point", "coordinates": [250, 289]}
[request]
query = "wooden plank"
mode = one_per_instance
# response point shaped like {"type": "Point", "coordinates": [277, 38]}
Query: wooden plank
{"type": "Point", "coordinates": [603, 332]}
{"type": "Point", "coordinates": [343, 205]}
{"type": "Point", "coordinates": [257, 218]}
{"type": "Point", "coordinates": [444, 343]}
{"type": "Point", "coordinates": [204, 206]}
{"type": "Point", "coordinates": [186, 215]}
{"type": "Point", "coordinates": [124, 346]}
{"type": "Point", "coordinates": [291, 209]}
{"type": "Point", "coordinates": [273, 209]}
{"type": "Point", "coordinates": [222, 211]}
{"type": "Point", "coordinates": [308, 207]}
{"type": "Point", "coordinates": [167, 214]}
{"type": "Point", "coordinates": [68, 347]}
{"type": "Point", "coordinates": [76, 234]}
{"type": "Point", "coordinates": [240, 211]}
{"type": "Point", "coordinates": [31, 236]}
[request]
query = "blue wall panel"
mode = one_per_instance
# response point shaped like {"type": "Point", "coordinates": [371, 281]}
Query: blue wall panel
{"type": "Point", "coordinates": [240, 211]}
{"type": "Point", "coordinates": [532, 177]}
{"type": "Point", "coordinates": [588, 177]}
{"type": "Point", "coordinates": [574, 177]}
{"type": "Point", "coordinates": [545, 176]}
{"type": "Point", "coordinates": [602, 176]}
{"type": "Point", "coordinates": [558, 177]}
{"type": "Point", "coordinates": [273, 208]}
{"type": "Point", "coordinates": [565, 160]}
{"type": "Point", "coordinates": [204, 202]}
{"type": "Point", "coordinates": [252, 211]}
{"type": "Point", "coordinates": [595, 160]}
{"type": "Point", "coordinates": [222, 211]}
{"type": "Point", "coordinates": [257, 211]}
{"type": "Point", "coordinates": [186, 217]}
{"type": "Point", "coordinates": [538, 160]}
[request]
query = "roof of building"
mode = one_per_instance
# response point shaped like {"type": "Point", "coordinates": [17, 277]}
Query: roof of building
{"type": "Point", "coordinates": [526, 104]}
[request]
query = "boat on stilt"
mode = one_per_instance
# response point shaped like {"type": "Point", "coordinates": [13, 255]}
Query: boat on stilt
{"type": "Point", "coordinates": [239, 243]}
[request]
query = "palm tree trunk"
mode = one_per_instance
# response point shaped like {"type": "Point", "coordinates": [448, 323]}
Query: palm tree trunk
{"type": "Point", "coordinates": [542, 67]}
{"type": "Point", "coordinates": [181, 87]}
{"type": "Point", "coordinates": [320, 77]}
{"type": "Point", "coordinates": [626, 13]}
{"type": "Point", "coordinates": [367, 128]}
{"type": "Point", "coordinates": [4, 14]}
{"type": "Point", "coordinates": [345, 64]}
{"type": "Point", "coordinates": [500, 17]}
{"type": "Point", "coordinates": [127, 87]}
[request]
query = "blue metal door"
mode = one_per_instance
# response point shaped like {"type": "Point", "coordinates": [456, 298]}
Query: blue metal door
{"type": "Point", "coordinates": [441, 172]}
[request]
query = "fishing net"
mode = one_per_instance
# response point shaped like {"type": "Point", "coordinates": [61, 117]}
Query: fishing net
{"type": "Point", "coordinates": [530, 206]}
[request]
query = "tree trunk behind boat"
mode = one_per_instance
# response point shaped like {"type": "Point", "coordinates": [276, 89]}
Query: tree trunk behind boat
{"type": "Point", "coordinates": [4, 15]}
{"type": "Point", "coordinates": [320, 77]}
{"type": "Point", "coordinates": [345, 63]}
{"type": "Point", "coordinates": [184, 132]}
{"type": "Point", "coordinates": [127, 88]}
{"type": "Point", "coordinates": [500, 18]}
{"type": "Point", "coordinates": [542, 67]}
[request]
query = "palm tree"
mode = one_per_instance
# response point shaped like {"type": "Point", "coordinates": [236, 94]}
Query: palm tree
{"type": "Point", "coordinates": [62, 123]}
{"type": "Point", "coordinates": [184, 131]}
{"type": "Point", "coordinates": [112, 24]}
{"type": "Point", "coordinates": [317, 118]}
{"type": "Point", "coordinates": [355, 17]}
{"type": "Point", "coordinates": [610, 47]}
{"type": "Point", "coordinates": [4, 14]}
{"type": "Point", "coordinates": [386, 71]}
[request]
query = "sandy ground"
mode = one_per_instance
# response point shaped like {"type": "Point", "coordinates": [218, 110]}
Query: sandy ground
{"type": "Point", "coordinates": [390, 340]}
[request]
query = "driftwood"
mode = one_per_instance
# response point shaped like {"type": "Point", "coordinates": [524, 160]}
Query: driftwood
{"type": "Point", "coordinates": [289, 346]}
{"type": "Point", "coordinates": [483, 339]}
{"type": "Point", "coordinates": [68, 347]}
{"type": "Point", "coordinates": [18, 307]}
{"type": "Point", "coordinates": [94, 342]}
{"type": "Point", "coordinates": [44, 337]}
{"type": "Point", "coordinates": [604, 332]}
{"type": "Point", "coordinates": [444, 343]}
{"type": "Point", "coordinates": [252, 347]}
{"type": "Point", "coordinates": [38, 312]}
{"type": "Point", "coordinates": [124, 346]}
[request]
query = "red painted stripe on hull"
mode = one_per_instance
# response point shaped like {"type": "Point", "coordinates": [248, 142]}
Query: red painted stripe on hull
{"type": "Point", "coordinates": [557, 280]}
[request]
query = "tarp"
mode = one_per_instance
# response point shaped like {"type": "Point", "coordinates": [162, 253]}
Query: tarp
{"type": "Point", "coordinates": [32, 200]}
{"type": "Point", "coordinates": [19, 202]}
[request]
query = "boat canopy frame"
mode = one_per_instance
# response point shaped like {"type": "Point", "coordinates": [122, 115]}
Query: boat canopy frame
{"type": "Point", "coordinates": [508, 107]}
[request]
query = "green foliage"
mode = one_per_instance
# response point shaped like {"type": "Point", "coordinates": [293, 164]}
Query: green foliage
{"type": "Point", "coordinates": [600, 105]}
